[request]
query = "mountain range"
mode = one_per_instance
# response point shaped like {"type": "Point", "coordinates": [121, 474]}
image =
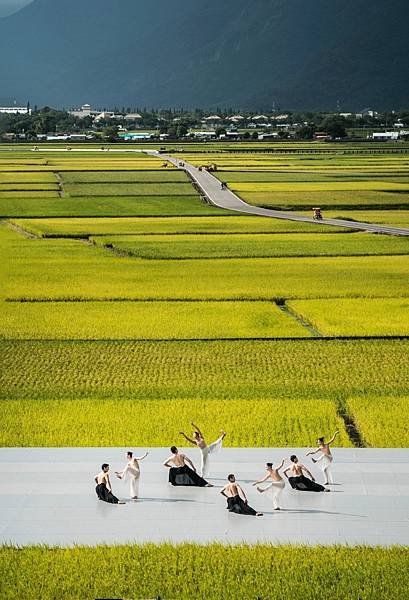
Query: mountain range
{"type": "Point", "coordinates": [249, 54]}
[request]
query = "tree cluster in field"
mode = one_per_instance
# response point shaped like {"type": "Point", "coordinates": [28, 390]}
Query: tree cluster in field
{"type": "Point", "coordinates": [180, 124]}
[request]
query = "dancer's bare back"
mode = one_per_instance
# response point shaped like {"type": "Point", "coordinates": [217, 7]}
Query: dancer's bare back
{"type": "Point", "coordinates": [231, 489]}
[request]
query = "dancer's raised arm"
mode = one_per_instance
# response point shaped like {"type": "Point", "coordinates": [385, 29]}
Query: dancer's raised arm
{"type": "Point", "coordinates": [333, 437]}
{"type": "Point", "coordinates": [197, 428]}
{"type": "Point", "coordinates": [143, 456]}
{"type": "Point", "coordinates": [262, 480]}
{"type": "Point", "coordinates": [187, 438]}
{"type": "Point", "coordinates": [281, 465]}
{"type": "Point", "coordinates": [313, 451]}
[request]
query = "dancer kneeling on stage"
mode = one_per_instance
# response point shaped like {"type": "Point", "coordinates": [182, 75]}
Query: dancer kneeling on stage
{"type": "Point", "coordinates": [104, 488]}
{"type": "Point", "coordinates": [236, 498]}
{"type": "Point", "coordinates": [180, 473]}
{"type": "Point", "coordinates": [299, 481]}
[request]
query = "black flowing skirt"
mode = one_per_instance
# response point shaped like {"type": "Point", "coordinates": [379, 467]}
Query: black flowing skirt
{"type": "Point", "coordinates": [304, 484]}
{"type": "Point", "coordinates": [104, 494]}
{"type": "Point", "coordinates": [185, 476]}
{"type": "Point", "coordinates": [237, 505]}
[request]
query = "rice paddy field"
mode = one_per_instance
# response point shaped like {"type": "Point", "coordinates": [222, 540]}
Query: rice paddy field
{"type": "Point", "coordinates": [124, 292]}
{"type": "Point", "coordinates": [252, 572]}
{"type": "Point", "coordinates": [126, 256]}
{"type": "Point", "coordinates": [338, 180]}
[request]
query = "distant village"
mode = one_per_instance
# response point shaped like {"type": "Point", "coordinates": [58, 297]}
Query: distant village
{"type": "Point", "coordinates": [23, 123]}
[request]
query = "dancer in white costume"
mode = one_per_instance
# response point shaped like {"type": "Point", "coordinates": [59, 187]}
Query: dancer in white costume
{"type": "Point", "coordinates": [205, 449]}
{"type": "Point", "coordinates": [133, 472]}
{"type": "Point", "coordinates": [326, 457]}
{"type": "Point", "coordinates": [276, 485]}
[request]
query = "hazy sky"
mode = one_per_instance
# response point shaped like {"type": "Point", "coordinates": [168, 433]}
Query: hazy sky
{"type": "Point", "coordinates": [9, 6]}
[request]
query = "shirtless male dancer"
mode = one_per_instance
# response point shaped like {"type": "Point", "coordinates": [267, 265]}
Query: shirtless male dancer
{"type": "Point", "coordinates": [276, 485]}
{"type": "Point", "coordinates": [237, 499]}
{"type": "Point", "coordinates": [326, 457]}
{"type": "Point", "coordinates": [180, 473]}
{"type": "Point", "coordinates": [205, 449]}
{"type": "Point", "coordinates": [103, 488]}
{"type": "Point", "coordinates": [299, 481]}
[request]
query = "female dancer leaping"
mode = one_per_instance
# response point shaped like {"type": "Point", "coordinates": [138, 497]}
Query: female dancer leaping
{"type": "Point", "coordinates": [205, 449]}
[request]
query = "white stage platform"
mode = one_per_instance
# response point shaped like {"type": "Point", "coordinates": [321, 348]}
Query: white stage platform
{"type": "Point", "coordinates": [47, 497]}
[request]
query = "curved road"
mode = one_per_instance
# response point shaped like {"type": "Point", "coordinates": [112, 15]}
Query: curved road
{"type": "Point", "coordinates": [210, 186]}
{"type": "Point", "coordinates": [226, 199]}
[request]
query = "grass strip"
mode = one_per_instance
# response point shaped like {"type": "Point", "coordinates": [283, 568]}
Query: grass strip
{"type": "Point", "coordinates": [186, 571]}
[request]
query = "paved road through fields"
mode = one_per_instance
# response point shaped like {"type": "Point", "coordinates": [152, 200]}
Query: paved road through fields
{"type": "Point", "coordinates": [228, 200]}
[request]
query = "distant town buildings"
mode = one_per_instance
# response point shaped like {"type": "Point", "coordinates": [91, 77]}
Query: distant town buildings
{"type": "Point", "coordinates": [389, 135]}
{"type": "Point", "coordinates": [104, 115]}
{"type": "Point", "coordinates": [15, 110]}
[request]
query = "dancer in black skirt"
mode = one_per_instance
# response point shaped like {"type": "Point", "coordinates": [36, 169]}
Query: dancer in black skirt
{"type": "Point", "coordinates": [299, 481]}
{"type": "Point", "coordinates": [104, 488]}
{"type": "Point", "coordinates": [180, 473]}
{"type": "Point", "coordinates": [236, 498]}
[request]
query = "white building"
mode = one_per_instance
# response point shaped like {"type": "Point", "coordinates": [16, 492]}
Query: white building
{"type": "Point", "coordinates": [204, 134]}
{"type": "Point", "coordinates": [268, 136]}
{"type": "Point", "coordinates": [15, 110]}
{"type": "Point", "coordinates": [84, 111]}
{"type": "Point", "coordinates": [133, 117]}
{"type": "Point", "coordinates": [386, 135]}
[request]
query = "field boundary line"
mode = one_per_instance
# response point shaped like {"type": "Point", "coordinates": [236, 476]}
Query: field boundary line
{"type": "Point", "coordinates": [20, 230]}
{"type": "Point", "coordinates": [310, 327]}
{"type": "Point", "coordinates": [278, 301]}
{"type": "Point", "coordinates": [203, 340]}
{"type": "Point", "coordinates": [60, 181]}
{"type": "Point", "coordinates": [350, 424]}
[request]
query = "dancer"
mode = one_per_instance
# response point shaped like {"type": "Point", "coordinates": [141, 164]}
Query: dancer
{"type": "Point", "coordinates": [236, 498]}
{"type": "Point", "coordinates": [132, 469]}
{"type": "Point", "coordinates": [277, 485]}
{"type": "Point", "coordinates": [180, 473]}
{"type": "Point", "coordinates": [299, 481]}
{"type": "Point", "coordinates": [326, 457]}
{"type": "Point", "coordinates": [205, 450]}
{"type": "Point", "coordinates": [104, 488]}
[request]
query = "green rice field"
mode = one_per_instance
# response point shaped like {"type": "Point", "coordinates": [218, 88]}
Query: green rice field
{"type": "Point", "coordinates": [146, 320]}
{"type": "Point", "coordinates": [255, 245]}
{"type": "Point", "coordinates": [72, 381]}
{"type": "Point", "coordinates": [123, 289]}
{"type": "Point", "coordinates": [118, 206]}
{"type": "Point", "coordinates": [260, 572]}
{"type": "Point", "coordinates": [396, 218]}
{"type": "Point", "coordinates": [85, 227]}
{"type": "Point", "coordinates": [343, 317]}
